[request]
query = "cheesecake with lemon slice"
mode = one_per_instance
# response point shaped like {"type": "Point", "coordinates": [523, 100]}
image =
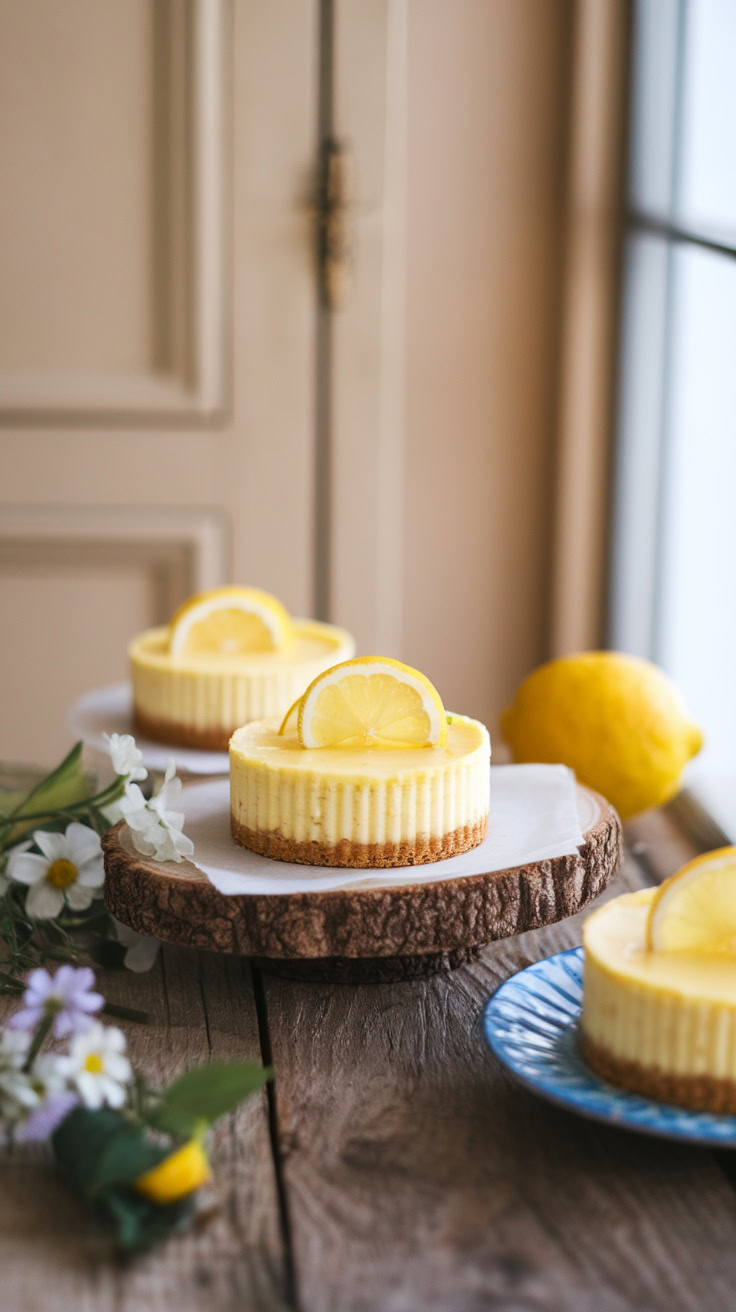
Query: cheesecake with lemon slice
{"type": "Point", "coordinates": [659, 987]}
{"type": "Point", "coordinates": [227, 657]}
{"type": "Point", "coordinates": [365, 770]}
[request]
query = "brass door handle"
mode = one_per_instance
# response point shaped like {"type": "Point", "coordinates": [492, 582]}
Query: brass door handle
{"type": "Point", "coordinates": [335, 218]}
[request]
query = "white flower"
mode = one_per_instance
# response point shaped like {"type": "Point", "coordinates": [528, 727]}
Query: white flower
{"type": "Point", "coordinates": [156, 831]}
{"type": "Point", "coordinates": [127, 759]}
{"type": "Point", "coordinates": [54, 1099]}
{"type": "Point", "coordinates": [113, 811]}
{"type": "Point", "coordinates": [141, 951]}
{"type": "Point", "coordinates": [97, 1065]}
{"type": "Point", "coordinates": [17, 1094]}
{"type": "Point", "coordinates": [69, 870]}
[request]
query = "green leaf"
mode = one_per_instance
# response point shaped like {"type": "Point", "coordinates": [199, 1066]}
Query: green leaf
{"type": "Point", "coordinates": [65, 785]}
{"type": "Point", "coordinates": [206, 1093]}
{"type": "Point", "coordinates": [141, 1223]}
{"type": "Point", "coordinates": [102, 1153]}
{"type": "Point", "coordinates": [101, 1150]}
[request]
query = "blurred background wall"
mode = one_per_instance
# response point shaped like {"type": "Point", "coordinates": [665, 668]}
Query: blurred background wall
{"type": "Point", "coordinates": [178, 404]}
{"type": "Point", "coordinates": [488, 104]}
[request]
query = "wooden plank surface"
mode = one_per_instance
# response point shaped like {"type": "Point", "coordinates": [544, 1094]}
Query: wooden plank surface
{"type": "Point", "coordinates": [419, 1176]}
{"type": "Point", "coordinates": [410, 1172]}
{"type": "Point", "coordinates": [50, 1255]}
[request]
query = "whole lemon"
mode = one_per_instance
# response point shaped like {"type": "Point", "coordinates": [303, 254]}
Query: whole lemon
{"type": "Point", "coordinates": [616, 720]}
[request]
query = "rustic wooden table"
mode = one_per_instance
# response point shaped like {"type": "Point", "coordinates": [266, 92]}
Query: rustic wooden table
{"type": "Point", "coordinates": [393, 1166]}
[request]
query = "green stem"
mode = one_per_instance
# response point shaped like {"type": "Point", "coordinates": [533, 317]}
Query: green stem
{"type": "Point", "coordinates": [39, 1039]}
{"type": "Point", "coordinates": [109, 794]}
{"type": "Point", "coordinates": [125, 1013]}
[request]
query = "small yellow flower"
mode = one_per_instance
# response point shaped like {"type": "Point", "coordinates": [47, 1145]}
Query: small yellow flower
{"type": "Point", "coordinates": [176, 1176]}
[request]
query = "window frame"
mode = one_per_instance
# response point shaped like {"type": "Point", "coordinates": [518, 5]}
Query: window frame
{"type": "Point", "coordinates": [642, 422]}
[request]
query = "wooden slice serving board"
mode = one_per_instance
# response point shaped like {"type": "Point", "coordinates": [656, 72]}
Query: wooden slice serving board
{"type": "Point", "coordinates": [355, 934]}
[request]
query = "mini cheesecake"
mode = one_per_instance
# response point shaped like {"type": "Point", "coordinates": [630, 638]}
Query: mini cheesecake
{"type": "Point", "coordinates": [660, 1023]}
{"type": "Point", "coordinates": [199, 699]}
{"type": "Point", "coordinates": [359, 806]}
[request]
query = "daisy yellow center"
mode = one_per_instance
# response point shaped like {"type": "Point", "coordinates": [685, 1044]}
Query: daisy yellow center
{"type": "Point", "coordinates": [61, 873]}
{"type": "Point", "coordinates": [93, 1063]}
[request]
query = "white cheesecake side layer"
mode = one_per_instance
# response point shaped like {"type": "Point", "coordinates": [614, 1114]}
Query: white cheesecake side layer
{"type": "Point", "coordinates": [207, 696]}
{"type": "Point", "coordinates": [365, 796]}
{"type": "Point", "coordinates": [670, 1011]}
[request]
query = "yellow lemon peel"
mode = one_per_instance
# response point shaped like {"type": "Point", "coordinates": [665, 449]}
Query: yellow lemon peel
{"type": "Point", "coordinates": [372, 701]}
{"type": "Point", "coordinates": [176, 1176]}
{"type": "Point", "coordinates": [616, 720]}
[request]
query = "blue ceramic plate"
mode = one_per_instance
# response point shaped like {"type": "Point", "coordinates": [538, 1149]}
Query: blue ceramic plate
{"type": "Point", "coordinates": [531, 1024]}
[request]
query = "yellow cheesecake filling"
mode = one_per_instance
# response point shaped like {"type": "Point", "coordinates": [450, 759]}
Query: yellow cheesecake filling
{"type": "Point", "coordinates": [219, 693]}
{"type": "Point", "coordinates": [366, 796]}
{"type": "Point", "coordinates": [673, 1012]}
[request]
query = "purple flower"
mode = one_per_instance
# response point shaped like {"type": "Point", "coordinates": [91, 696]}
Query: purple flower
{"type": "Point", "coordinates": [47, 1117]}
{"type": "Point", "coordinates": [67, 996]}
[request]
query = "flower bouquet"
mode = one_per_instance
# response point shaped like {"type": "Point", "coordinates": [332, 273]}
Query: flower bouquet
{"type": "Point", "coordinates": [51, 867]}
{"type": "Point", "coordinates": [135, 1155]}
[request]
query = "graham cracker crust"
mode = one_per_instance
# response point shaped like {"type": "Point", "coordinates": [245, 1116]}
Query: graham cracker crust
{"type": "Point", "coordinates": [182, 735]}
{"type": "Point", "coordinates": [699, 1093]}
{"type": "Point", "coordinates": [366, 856]}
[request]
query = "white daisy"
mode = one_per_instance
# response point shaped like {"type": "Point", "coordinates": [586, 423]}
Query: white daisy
{"type": "Point", "coordinates": [97, 1065]}
{"type": "Point", "coordinates": [140, 950]}
{"type": "Point", "coordinates": [69, 869]}
{"type": "Point", "coordinates": [156, 831]}
{"type": "Point", "coordinates": [127, 759]}
{"type": "Point", "coordinates": [54, 1099]}
{"type": "Point", "coordinates": [17, 1094]}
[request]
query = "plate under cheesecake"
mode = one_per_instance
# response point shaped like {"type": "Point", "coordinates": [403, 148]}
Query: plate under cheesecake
{"type": "Point", "coordinates": [532, 1024]}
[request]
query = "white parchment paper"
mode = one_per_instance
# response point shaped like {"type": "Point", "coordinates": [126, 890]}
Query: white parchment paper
{"type": "Point", "coordinates": [536, 811]}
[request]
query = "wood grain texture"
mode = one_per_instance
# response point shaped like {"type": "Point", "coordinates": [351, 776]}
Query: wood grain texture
{"type": "Point", "coordinates": [415, 1173]}
{"type": "Point", "coordinates": [52, 1257]}
{"type": "Point", "coordinates": [659, 844]}
{"type": "Point", "coordinates": [420, 1176]}
{"type": "Point", "coordinates": [178, 904]}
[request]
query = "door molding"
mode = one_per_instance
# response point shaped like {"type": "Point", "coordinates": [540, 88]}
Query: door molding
{"type": "Point", "coordinates": [361, 553]}
{"type": "Point", "coordinates": [184, 550]}
{"type": "Point", "coordinates": [189, 389]}
{"type": "Point", "coordinates": [598, 117]}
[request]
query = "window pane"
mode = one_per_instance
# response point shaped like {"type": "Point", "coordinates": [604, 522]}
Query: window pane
{"type": "Point", "coordinates": [655, 47]}
{"type": "Point", "coordinates": [706, 188]}
{"type": "Point", "coordinates": [638, 445]}
{"type": "Point", "coordinates": [696, 640]}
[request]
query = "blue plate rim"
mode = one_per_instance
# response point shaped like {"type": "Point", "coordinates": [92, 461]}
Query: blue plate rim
{"type": "Point", "coordinates": [672, 1129]}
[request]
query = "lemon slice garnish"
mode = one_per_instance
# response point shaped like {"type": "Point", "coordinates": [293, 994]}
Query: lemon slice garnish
{"type": "Point", "coordinates": [372, 701]}
{"type": "Point", "coordinates": [291, 715]}
{"type": "Point", "coordinates": [229, 621]}
{"type": "Point", "coordinates": [695, 910]}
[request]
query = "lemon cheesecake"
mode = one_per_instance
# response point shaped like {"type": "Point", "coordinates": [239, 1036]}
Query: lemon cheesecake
{"type": "Point", "coordinates": [365, 770]}
{"type": "Point", "coordinates": [659, 988]}
{"type": "Point", "coordinates": [227, 657]}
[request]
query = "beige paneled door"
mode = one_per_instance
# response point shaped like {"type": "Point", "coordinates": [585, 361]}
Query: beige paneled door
{"type": "Point", "coordinates": [177, 405]}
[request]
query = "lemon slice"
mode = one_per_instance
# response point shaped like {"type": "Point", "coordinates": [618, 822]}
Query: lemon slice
{"type": "Point", "coordinates": [229, 621]}
{"type": "Point", "coordinates": [372, 701]}
{"type": "Point", "coordinates": [291, 715]}
{"type": "Point", "coordinates": [695, 910]}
